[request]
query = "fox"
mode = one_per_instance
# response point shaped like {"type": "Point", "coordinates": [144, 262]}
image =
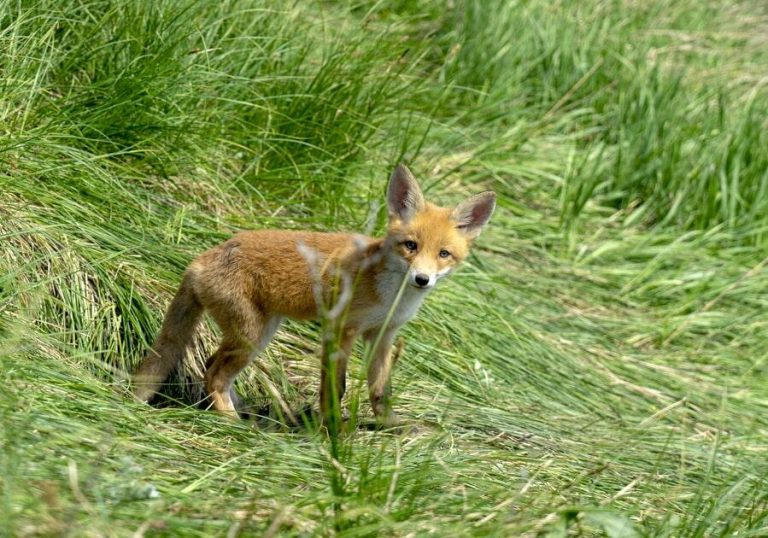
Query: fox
{"type": "Point", "coordinates": [255, 279]}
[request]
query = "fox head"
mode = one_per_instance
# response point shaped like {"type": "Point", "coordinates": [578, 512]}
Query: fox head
{"type": "Point", "coordinates": [428, 241]}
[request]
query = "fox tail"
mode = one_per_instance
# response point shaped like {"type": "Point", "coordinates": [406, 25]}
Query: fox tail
{"type": "Point", "coordinates": [171, 345]}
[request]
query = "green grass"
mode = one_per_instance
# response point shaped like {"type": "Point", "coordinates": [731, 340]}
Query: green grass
{"type": "Point", "coordinates": [597, 367]}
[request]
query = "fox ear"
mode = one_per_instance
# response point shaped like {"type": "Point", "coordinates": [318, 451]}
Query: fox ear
{"type": "Point", "coordinates": [474, 213]}
{"type": "Point", "coordinates": [404, 196]}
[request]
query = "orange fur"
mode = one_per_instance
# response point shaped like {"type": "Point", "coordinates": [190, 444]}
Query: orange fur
{"type": "Point", "coordinates": [252, 281]}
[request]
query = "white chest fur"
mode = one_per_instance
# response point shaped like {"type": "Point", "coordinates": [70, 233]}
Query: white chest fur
{"type": "Point", "coordinates": [388, 287]}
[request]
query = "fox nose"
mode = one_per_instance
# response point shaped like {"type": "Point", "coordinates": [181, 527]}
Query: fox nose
{"type": "Point", "coordinates": [421, 280]}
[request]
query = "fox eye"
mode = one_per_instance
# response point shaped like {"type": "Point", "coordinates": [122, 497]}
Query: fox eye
{"type": "Point", "coordinates": [410, 245]}
{"type": "Point", "coordinates": [444, 253]}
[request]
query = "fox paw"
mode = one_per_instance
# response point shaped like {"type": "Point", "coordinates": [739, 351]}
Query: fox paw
{"type": "Point", "coordinates": [390, 420]}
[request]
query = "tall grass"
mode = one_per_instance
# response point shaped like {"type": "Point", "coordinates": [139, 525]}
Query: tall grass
{"type": "Point", "coordinates": [655, 132]}
{"type": "Point", "coordinates": [596, 367]}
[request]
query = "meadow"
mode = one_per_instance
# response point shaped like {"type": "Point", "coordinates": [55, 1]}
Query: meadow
{"type": "Point", "coordinates": [598, 366]}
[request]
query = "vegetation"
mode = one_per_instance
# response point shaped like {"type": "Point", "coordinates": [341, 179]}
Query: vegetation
{"type": "Point", "coordinates": [599, 365]}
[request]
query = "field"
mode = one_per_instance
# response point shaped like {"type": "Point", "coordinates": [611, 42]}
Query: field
{"type": "Point", "coordinates": [598, 366]}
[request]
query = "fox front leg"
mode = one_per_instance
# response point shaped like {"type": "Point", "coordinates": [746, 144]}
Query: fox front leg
{"type": "Point", "coordinates": [333, 373]}
{"type": "Point", "coordinates": [379, 376]}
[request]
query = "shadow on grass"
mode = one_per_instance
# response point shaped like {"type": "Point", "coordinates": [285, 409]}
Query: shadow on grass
{"type": "Point", "coordinates": [268, 416]}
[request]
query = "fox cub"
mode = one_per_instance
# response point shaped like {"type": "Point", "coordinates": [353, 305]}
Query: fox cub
{"type": "Point", "coordinates": [252, 281]}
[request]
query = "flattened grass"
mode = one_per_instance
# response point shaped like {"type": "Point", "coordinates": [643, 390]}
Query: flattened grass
{"type": "Point", "coordinates": [598, 366]}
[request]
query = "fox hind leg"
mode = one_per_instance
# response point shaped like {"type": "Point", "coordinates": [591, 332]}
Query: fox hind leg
{"type": "Point", "coordinates": [245, 335]}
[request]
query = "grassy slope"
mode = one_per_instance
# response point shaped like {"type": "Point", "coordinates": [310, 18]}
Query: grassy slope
{"type": "Point", "coordinates": [598, 365]}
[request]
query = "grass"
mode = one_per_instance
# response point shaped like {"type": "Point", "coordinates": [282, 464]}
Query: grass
{"type": "Point", "coordinates": [597, 367]}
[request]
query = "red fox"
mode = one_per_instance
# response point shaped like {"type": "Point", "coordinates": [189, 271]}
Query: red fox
{"type": "Point", "coordinates": [252, 281]}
